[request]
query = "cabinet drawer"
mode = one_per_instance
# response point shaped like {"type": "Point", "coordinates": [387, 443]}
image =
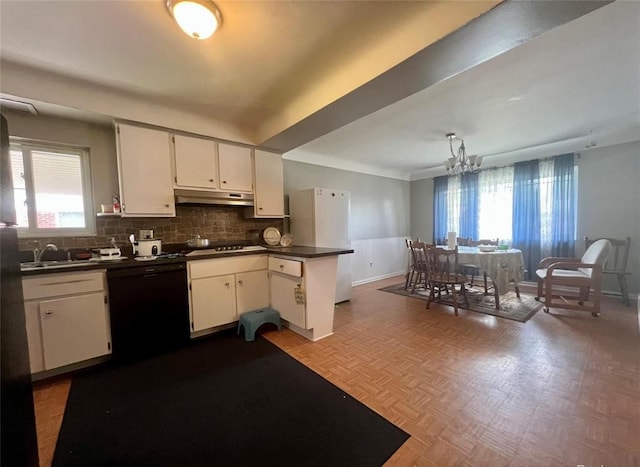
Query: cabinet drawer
{"type": "Point", "coordinates": [55, 285]}
{"type": "Point", "coordinates": [217, 267]}
{"type": "Point", "coordinates": [286, 266]}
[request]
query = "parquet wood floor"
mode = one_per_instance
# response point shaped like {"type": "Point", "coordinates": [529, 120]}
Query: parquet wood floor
{"type": "Point", "coordinates": [562, 389]}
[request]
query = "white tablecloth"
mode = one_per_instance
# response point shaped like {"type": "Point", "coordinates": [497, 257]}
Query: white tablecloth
{"type": "Point", "coordinates": [502, 266]}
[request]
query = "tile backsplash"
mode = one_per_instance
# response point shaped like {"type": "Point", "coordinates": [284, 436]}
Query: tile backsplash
{"type": "Point", "coordinates": [217, 223]}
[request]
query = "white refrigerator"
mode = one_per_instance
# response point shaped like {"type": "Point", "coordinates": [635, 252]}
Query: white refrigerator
{"type": "Point", "coordinates": [320, 217]}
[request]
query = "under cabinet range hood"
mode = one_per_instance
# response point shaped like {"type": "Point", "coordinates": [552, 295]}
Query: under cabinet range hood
{"type": "Point", "coordinates": [213, 197]}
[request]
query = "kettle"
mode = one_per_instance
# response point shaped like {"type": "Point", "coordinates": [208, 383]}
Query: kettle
{"type": "Point", "coordinates": [146, 246]}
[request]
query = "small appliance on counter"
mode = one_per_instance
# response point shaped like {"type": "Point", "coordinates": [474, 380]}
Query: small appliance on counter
{"type": "Point", "coordinates": [146, 247]}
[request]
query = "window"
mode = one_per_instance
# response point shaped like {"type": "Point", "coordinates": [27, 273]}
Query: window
{"type": "Point", "coordinates": [52, 189]}
{"type": "Point", "coordinates": [530, 205]}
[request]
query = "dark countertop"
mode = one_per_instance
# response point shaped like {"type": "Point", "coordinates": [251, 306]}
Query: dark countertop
{"type": "Point", "coordinates": [308, 251]}
{"type": "Point", "coordinates": [294, 251]}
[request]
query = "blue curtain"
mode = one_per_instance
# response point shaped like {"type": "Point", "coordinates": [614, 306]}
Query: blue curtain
{"type": "Point", "coordinates": [469, 209]}
{"type": "Point", "coordinates": [563, 222]}
{"type": "Point", "coordinates": [440, 185]}
{"type": "Point", "coordinates": [526, 214]}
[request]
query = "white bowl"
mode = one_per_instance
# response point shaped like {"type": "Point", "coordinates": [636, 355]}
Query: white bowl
{"type": "Point", "coordinates": [487, 248]}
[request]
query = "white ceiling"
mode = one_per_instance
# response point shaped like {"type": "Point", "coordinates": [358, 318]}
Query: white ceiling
{"type": "Point", "coordinates": [275, 63]}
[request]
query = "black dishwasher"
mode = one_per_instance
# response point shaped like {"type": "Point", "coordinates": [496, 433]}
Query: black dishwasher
{"type": "Point", "coordinates": [149, 308]}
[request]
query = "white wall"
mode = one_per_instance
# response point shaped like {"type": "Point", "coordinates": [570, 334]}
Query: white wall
{"type": "Point", "coordinates": [609, 200]}
{"type": "Point", "coordinates": [380, 215]}
{"type": "Point", "coordinates": [422, 210]}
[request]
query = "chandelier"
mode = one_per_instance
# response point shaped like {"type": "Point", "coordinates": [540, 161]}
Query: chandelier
{"type": "Point", "coordinates": [461, 163]}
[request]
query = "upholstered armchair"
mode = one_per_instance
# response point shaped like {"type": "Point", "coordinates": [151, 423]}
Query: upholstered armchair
{"type": "Point", "coordinates": [583, 275]}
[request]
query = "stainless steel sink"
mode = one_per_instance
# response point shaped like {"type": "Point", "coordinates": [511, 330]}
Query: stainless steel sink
{"type": "Point", "coordinates": [32, 266]}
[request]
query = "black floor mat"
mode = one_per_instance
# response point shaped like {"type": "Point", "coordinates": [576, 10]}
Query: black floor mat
{"type": "Point", "coordinates": [219, 402]}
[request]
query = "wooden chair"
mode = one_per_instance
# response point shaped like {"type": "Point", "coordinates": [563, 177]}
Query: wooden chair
{"type": "Point", "coordinates": [617, 263]}
{"type": "Point", "coordinates": [475, 269]}
{"type": "Point", "coordinates": [464, 241]}
{"type": "Point", "coordinates": [584, 273]}
{"type": "Point", "coordinates": [418, 263]}
{"type": "Point", "coordinates": [410, 263]}
{"type": "Point", "coordinates": [442, 274]}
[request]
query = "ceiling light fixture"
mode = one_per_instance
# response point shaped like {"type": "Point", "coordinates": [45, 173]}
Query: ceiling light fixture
{"type": "Point", "coordinates": [197, 18]}
{"type": "Point", "coordinates": [461, 163]}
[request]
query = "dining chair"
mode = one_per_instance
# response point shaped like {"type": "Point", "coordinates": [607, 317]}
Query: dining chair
{"type": "Point", "coordinates": [475, 269]}
{"type": "Point", "coordinates": [584, 273]}
{"type": "Point", "coordinates": [419, 264]}
{"type": "Point", "coordinates": [411, 270]}
{"type": "Point", "coordinates": [442, 274]}
{"type": "Point", "coordinates": [464, 241]}
{"type": "Point", "coordinates": [617, 263]}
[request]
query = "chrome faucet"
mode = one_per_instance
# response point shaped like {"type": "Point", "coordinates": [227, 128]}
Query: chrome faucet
{"type": "Point", "coordinates": [37, 253]}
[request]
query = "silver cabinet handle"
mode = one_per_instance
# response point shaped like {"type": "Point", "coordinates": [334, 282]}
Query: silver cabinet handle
{"type": "Point", "coordinates": [48, 312]}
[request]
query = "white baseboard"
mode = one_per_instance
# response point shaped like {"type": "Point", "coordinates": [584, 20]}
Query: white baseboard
{"type": "Point", "coordinates": [377, 278]}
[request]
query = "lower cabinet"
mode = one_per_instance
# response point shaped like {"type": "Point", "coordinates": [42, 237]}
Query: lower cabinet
{"type": "Point", "coordinates": [67, 319]}
{"type": "Point", "coordinates": [213, 302]}
{"type": "Point", "coordinates": [222, 289]}
{"type": "Point", "coordinates": [73, 329]}
{"type": "Point", "coordinates": [283, 298]}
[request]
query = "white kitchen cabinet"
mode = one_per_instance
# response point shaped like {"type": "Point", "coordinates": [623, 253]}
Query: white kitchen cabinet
{"type": "Point", "coordinates": [283, 298]}
{"type": "Point", "coordinates": [73, 329]}
{"type": "Point", "coordinates": [222, 289]}
{"type": "Point", "coordinates": [269, 184]}
{"type": "Point", "coordinates": [234, 163]}
{"type": "Point", "coordinates": [303, 291]}
{"type": "Point", "coordinates": [252, 291]}
{"type": "Point", "coordinates": [203, 164]}
{"type": "Point", "coordinates": [144, 172]}
{"type": "Point", "coordinates": [213, 301]}
{"type": "Point", "coordinates": [195, 163]}
{"type": "Point", "coordinates": [67, 319]}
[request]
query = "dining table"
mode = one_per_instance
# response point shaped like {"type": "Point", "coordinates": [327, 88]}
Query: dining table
{"type": "Point", "coordinates": [502, 266]}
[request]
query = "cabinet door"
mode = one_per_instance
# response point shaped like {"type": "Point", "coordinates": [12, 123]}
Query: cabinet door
{"type": "Point", "coordinates": [213, 302]}
{"type": "Point", "coordinates": [235, 168]}
{"type": "Point", "coordinates": [74, 329]}
{"type": "Point", "coordinates": [34, 336]}
{"type": "Point", "coordinates": [269, 189]}
{"type": "Point", "coordinates": [252, 291]}
{"type": "Point", "coordinates": [282, 289]}
{"type": "Point", "coordinates": [144, 172]}
{"type": "Point", "coordinates": [195, 162]}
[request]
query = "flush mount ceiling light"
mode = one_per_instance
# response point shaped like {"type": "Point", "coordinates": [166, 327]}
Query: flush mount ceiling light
{"type": "Point", "coordinates": [197, 18]}
{"type": "Point", "coordinates": [461, 163]}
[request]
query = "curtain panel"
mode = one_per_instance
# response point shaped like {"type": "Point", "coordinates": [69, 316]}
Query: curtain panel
{"type": "Point", "coordinates": [469, 207]}
{"type": "Point", "coordinates": [526, 214]}
{"type": "Point", "coordinates": [440, 211]}
{"type": "Point", "coordinates": [563, 219]}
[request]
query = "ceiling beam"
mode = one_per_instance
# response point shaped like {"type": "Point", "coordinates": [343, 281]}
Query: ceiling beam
{"type": "Point", "coordinates": [501, 29]}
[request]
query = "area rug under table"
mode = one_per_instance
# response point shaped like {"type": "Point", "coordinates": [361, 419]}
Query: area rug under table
{"type": "Point", "coordinates": [222, 402]}
{"type": "Point", "coordinates": [511, 307]}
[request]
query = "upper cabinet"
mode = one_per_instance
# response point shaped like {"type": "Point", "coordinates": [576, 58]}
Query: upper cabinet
{"type": "Point", "coordinates": [269, 184]}
{"type": "Point", "coordinates": [144, 172]}
{"type": "Point", "coordinates": [235, 168]}
{"type": "Point", "coordinates": [195, 162]}
{"type": "Point", "coordinates": [203, 164]}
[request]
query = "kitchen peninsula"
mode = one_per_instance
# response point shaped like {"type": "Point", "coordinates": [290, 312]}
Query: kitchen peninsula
{"type": "Point", "coordinates": [299, 282]}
